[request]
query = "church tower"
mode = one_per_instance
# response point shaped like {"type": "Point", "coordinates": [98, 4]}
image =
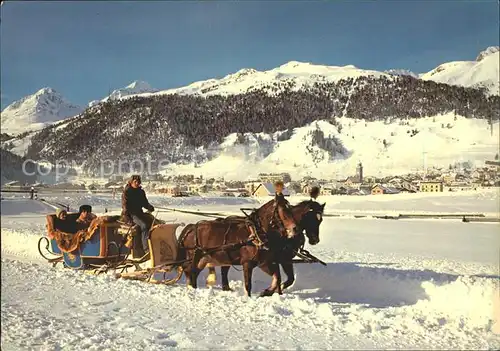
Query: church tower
{"type": "Point", "coordinates": [359, 172]}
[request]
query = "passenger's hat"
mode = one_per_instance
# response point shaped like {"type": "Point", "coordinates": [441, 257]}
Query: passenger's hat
{"type": "Point", "coordinates": [85, 208]}
{"type": "Point", "coordinates": [59, 211]}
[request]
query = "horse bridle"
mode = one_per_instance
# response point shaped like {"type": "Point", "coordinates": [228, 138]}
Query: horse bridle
{"type": "Point", "coordinates": [299, 226]}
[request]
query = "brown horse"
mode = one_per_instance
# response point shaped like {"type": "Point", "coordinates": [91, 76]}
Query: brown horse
{"type": "Point", "coordinates": [238, 241]}
{"type": "Point", "coordinates": [308, 215]}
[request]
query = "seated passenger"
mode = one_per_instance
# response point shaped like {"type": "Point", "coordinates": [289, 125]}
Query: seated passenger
{"type": "Point", "coordinates": [85, 216]}
{"type": "Point", "coordinates": [63, 224]}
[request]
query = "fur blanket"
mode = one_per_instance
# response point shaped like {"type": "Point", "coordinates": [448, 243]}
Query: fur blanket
{"type": "Point", "coordinates": [70, 242]}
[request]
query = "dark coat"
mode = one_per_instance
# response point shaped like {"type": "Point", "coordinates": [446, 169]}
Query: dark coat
{"type": "Point", "coordinates": [66, 225]}
{"type": "Point", "coordinates": [279, 198]}
{"type": "Point", "coordinates": [133, 201]}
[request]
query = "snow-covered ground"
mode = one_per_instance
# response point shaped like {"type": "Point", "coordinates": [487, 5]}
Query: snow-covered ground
{"type": "Point", "coordinates": [431, 284]}
{"type": "Point", "coordinates": [482, 200]}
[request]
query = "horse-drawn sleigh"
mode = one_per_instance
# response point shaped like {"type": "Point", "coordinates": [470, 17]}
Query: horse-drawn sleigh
{"type": "Point", "coordinates": [266, 238]}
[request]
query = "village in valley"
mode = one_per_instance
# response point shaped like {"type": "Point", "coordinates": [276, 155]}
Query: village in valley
{"type": "Point", "coordinates": [459, 177]}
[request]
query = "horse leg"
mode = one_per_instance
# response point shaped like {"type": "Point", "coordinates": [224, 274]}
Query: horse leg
{"type": "Point", "coordinates": [273, 269]}
{"type": "Point", "coordinates": [224, 271]}
{"type": "Point", "coordinates": [195, 271]}
{"type": "Point", "coordinates": [187, 272]}
{"type": "Point", "coordinates": [201, 266]}
{"type": "Point", "coordinates": [212, 276]}
{"type": "Point", "coordinates": [187, 268]}
{"type": "Point", "coordinates": [290, 276]}
{"type": "Point", "coordinates": [247, 274]}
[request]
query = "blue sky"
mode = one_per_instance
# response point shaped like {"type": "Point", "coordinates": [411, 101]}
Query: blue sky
{"type": "Point", "coordinates": [84, 49]}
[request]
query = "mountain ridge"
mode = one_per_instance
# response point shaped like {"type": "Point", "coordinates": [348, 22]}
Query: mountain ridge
{"type": "Point", "coordinates": [37, 110]}
{"type": "Point", "coordinates": [249, 117]}
{"type": "Point", "coordinates": [486, 75]}
{"type": "Point", "coordinates": [191, 129]}
{"type": "Point", "coordinates": [481, 74]}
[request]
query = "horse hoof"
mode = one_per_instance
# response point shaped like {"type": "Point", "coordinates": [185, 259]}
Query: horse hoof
{"type": "Point", "coordinates": [226, 288]}
{"type": "Point", "coordinates": [285, 286]}
{"type": "Point", "coordinates": [266, 293]}
{"type": "Point", "coordinates": [211, 280]}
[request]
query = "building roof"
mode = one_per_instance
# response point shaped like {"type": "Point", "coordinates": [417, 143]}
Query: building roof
{"type": "Point", "coordinates": [353, 179]}
{"type": "Point", "coordinates": [387, 189]}
{"type": "Point", "coordinates": [492, 163]}
{"type": "Point", "coordinates": [270, 189]}
{"type": "Point", "coordinates": [236, 190]}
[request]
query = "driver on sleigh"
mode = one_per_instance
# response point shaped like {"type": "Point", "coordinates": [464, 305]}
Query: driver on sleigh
{"type": "Point", "coordinates": [133, 201]}
{"type": "Point", "coordinates": [279, 198]}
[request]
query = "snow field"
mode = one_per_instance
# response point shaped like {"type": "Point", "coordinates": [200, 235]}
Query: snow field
{"type": "Point", "coordinates": [388, 284]}
{"type": "Point", "coordinates": [460, 140]}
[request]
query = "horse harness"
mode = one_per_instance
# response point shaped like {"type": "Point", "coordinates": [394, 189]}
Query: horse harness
{"type": "Point", "coordinates": [257, 237]}
{"type": "Point", "coordinates": [278, 223]}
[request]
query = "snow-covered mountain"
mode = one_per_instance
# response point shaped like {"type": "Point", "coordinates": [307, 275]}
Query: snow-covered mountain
{"type": "Point", "coordinates": [402, 72]}
{"type": "Point", "coordinates": [134, 88]}
{"type": "Point", "coordinates": [294, 73]}
{"type": "Point", "coordinates": [46, 106]}
{"type": "Point", "coordinates": [36, 111]}
{"type": "Point", "coordinates": [263, 112]}
{"type": "Point", "coordinates": [483, 72]}
{"type": "Point", "coordinates": [265, 124]}
{"type": "Point", "coordinates": [490, 50]}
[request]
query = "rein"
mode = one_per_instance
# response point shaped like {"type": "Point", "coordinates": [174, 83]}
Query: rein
{"type": "Point", "coordinates": [197, 213]}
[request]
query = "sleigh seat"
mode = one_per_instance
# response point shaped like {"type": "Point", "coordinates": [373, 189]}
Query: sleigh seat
{"type": "Point", "coordinates": [101, 242]}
